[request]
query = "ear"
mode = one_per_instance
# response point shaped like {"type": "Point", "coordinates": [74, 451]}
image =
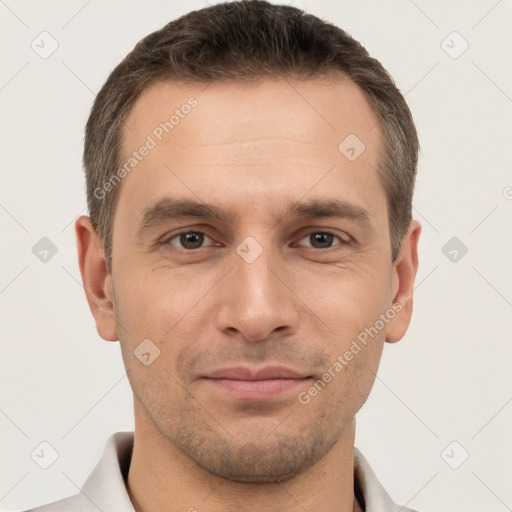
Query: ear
{"type": "Point", "coordinates": [404, 274]}
{"type": "Point", "coordinates": [96, 278]}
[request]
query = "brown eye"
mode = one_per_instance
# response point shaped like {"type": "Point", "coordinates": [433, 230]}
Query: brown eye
{"type": "Point", "coordinates": [189, 239]}
{"type": "Point", "coordinates": [321, 240]}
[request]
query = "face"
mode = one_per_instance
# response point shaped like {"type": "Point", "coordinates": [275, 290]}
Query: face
{"type": "Point", "coordinates": [253, 251]}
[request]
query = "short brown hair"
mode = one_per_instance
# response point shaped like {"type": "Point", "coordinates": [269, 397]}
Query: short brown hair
{"type": "Point", "coordinates": [243, 41]}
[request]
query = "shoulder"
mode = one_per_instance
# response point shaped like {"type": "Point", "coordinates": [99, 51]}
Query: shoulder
{"type": "Point", "coordinates": [71, 504]}
{"type": "Point", "coordinates": [104, 488]}
{"type": "Point", "coordinates": [369, 490]}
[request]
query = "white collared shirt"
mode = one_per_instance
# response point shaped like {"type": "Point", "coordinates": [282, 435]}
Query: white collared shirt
{"type": "Point", "coordinates": [105, 488]}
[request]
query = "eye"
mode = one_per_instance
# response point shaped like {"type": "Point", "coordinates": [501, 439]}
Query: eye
{"type": "Point", "coordinates": [195, 239]}
{"type": "Point", "coordinates": [188, 240]}
{"type": "Point", "coordinates": [321, 240]}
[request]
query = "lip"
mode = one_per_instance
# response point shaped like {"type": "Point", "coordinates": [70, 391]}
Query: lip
{"type": "Point", "coordinates": [265, 373]}
{"type": "Point", "coordinates": [260, 384]}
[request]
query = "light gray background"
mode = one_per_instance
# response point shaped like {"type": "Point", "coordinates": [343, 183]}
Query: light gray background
{"type": "Point", "coordinates": [448, 380]}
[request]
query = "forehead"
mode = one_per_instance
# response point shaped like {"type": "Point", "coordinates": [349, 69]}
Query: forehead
{"type": "Point", "coordinates": [314, 110]}
{"type": "Point", "coordinates": [253, 142]}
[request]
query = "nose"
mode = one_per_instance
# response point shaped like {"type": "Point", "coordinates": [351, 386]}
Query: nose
{"type": "Point", "coordinates": [257, 300]}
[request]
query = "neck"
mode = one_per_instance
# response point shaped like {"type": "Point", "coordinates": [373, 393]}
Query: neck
{"type": "Point", "coordinates": [162, 477]}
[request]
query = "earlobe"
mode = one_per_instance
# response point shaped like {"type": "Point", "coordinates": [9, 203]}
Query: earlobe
{"type": "Point", "coordinates": [404, 274]}
{"type": "Point", "coordinates": [96, 278]}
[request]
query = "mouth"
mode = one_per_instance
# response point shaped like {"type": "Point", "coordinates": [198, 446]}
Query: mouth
{"type": "Point", "coordinates": [264, 383]}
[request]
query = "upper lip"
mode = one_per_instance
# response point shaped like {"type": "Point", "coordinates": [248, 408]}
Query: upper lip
{"type": "Point", "coordinates": [265, 373]}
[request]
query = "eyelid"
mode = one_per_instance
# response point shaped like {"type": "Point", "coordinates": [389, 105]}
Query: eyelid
{"type": "Point", "coordinates": [166, 239]}
{"type": "Point", "coordinates": [329, 232]}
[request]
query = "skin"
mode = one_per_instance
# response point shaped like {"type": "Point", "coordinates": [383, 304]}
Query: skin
{"type": "Point", "coordinates": [252, 148]}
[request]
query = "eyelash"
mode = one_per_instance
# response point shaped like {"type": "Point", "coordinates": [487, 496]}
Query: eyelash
{"type": "Point", "coordinates": [167, 241]}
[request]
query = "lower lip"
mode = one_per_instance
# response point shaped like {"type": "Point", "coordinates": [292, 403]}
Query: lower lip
{"type": "Point", "coordinates": [257, 389]}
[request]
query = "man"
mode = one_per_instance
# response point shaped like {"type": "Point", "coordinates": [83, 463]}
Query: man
{"type": "Point", "coordinates": [250, 172]}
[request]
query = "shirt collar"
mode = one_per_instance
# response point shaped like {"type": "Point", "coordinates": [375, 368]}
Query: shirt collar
{"type": "Point", "coordinates": [105, 488]}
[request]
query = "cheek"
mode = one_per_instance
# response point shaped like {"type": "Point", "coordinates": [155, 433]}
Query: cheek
{"type": "Point", "coordinates": [347, 300]}
{"type": "Point", "coordinates": [153, 304]}
{"type": "Point", "coordinates": [167, 307]}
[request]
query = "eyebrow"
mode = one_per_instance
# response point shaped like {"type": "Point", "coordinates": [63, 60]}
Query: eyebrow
{"type": "Point", "coordinates": [169, 208]}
